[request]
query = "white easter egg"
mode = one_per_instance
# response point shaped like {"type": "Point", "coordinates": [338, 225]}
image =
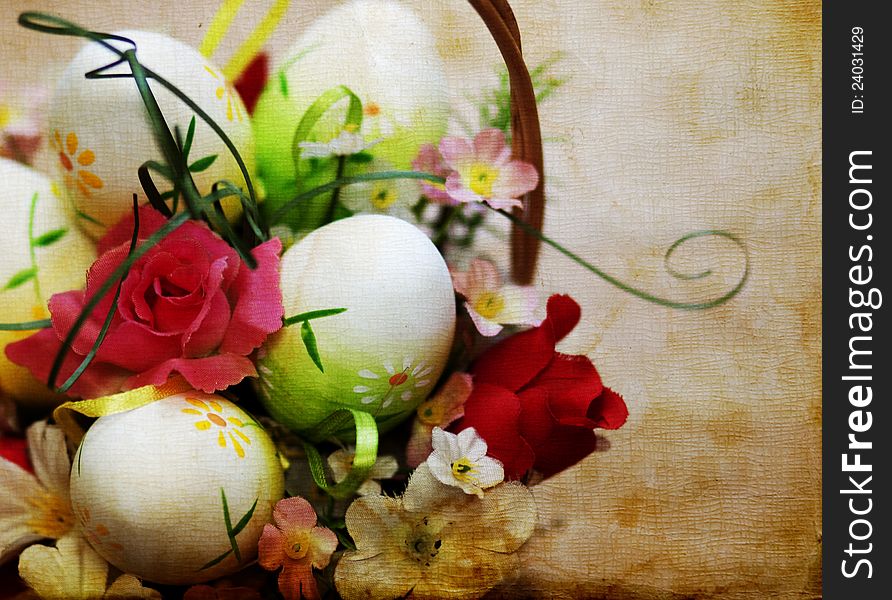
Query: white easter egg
{"type": "Point", "coordinates": [41, 253]}
{"type": "Point", "coordinates": [101, 134]}
{"type": "Point", "coordinates": [385, 54]}
{"type": "Point", "coordinates": [160, 491]}
{"type": "Point", "coordinates": [384, 354]}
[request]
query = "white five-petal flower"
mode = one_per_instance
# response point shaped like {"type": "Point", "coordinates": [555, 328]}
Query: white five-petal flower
{"type": "Point", "coordinates": [461, 461]}
{"type": "Point", "coordinates": [341, 461]}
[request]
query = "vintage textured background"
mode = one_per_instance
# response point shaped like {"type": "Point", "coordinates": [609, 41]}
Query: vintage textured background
{"type": "Point", "coordinates": [679, 115]}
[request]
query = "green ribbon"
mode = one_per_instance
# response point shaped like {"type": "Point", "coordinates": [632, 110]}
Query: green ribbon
{"type": "Point", "coordinates": [363, 461]}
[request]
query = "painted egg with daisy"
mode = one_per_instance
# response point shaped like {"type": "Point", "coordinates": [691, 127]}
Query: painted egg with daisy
{"type": "Point", "coordinates": [385, 54]}
{"type": "Point", "coordinates": [41, 253]}
{"type": "Point", "coordinates": [100, 133]}
{"type": "Point", "coordinates": [176, 491]}
{"type": "Point", "coordinates": [385, 352]}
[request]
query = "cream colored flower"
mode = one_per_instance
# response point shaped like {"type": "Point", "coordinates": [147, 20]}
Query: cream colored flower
{"type": "Point", "coordinates": [35, 507]}
{"type": "Point", "coordinates": [461, 461]}
{"type": "Point", "coordinates": [435, 541]}
{"type": "Point", "coordinates": [72, 570]}
{"type": "Point", "coordinates": [341, 461]}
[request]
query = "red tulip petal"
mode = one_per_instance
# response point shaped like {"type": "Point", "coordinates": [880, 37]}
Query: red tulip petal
{"type": "Point", "coordinates": [207, 374]}
{"type": "Point", "coordinates": [563, 315]}
{"type": "Point", "coordinates": [609, 410]}
{"type": "Point", "coordinates": [150, 221]}
{"type": "Point", "coordinates": [536, 420]}
{"type": "Point", "coordinates": [259, 310]}
{"type": "Point", "coordinates": [515, 361]}
{"type": "Point", "coordinates": [572, 382]}
{"type": "Point", "coordinates": [564, 448]}
{"type": "Point", "coordinates": [495, 413]}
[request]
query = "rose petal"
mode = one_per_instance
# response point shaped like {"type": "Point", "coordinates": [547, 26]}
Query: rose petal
{"type": "Point", "coordinates": [150, 221]}
{"type": "Point", "coordinates": [207, 374]}
{"type": "Point", "coordinates": [211, 328]}
{"type": "Point", "coordinates": [38, 351]}
{"type": "Point", "coordinates": [259, 309]}
{"type": "Point", "coordinates": [135, 347]}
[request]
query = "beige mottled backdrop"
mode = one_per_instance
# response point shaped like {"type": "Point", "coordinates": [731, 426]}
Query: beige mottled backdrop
{"type": "Point", "coordinates": [679, 115]}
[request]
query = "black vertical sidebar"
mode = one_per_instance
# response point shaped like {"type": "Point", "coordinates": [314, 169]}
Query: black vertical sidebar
{"type": "Point", "coordinates": [857, 269]}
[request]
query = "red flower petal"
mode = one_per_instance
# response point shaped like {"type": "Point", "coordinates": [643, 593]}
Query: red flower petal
{"type": "Point", "coordinates": [150, 221]}
{"type": "Point", "coordinates": [515, 361]}
{"type": "Point", "coordinates": [207, 374]}
{"type": "Point", "coordinates": [495, 413]}
{"type": "Point", "coordinates": [15, 450]}
{"type": "Point", "coordinates": [252, 80]}
{"type": "Point", "coordinates": [609, 410]}
{"type": "Point", "coordinates": [536, 421]}
{"type": "Point", "coordinates": [258, 311]}
{"type": "Point", "coordinates": [563, 315]}
{"type": "Point", "coordinates": [37, 353]}
{"type": "Point", "coordinates": [565, 447]}
{"type": "Point", "coordinates": [572, 382]}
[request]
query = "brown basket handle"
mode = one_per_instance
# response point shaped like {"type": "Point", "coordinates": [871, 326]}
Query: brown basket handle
{"type": "Point", "coordinates": [525, 130]}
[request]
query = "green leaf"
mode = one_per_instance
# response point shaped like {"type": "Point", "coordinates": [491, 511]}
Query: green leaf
{"type": "Point", "coordinates": [313, 314]}
{"type": "Point", "coordinates": [309, 338]}
{"type": "Point", "coordinates": [243, 522]}
{"type": "Point", "coordinates": [283, 83]}
{"type": "Point", "coordinates": [22, 277]}
{"type": "Point", "coordinates": [50, 237]}
{"type": "Point", "coordinates": [228, 520]}
{"type": "Point", "coordinates": [361, 158]}
{"type": "Point", "coordinates": [202, 163]}
{"type": "Point", "coordinates": [190, 135]}
{"type": "Point", "coordinates": [216, 561]}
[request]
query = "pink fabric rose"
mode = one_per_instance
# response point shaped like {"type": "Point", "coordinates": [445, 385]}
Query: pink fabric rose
{"type": "Point", "coordinates": [188, 306]}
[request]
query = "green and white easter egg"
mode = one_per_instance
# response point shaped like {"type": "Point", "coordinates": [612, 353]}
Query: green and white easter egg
{"type": "Point", "coordinates": [384, 354]}
{"type": "Point", "coordinates": [176, 491]}
{"type": "Point", "coordinates": [100, 131]}
{"type": "Point", "coordinates": [41, 253]}
{"type": "Point", "coordinates": [385, 54]}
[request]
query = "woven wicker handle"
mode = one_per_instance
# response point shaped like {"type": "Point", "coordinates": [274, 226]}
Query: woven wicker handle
{"type": "Point", "coordinates": [525, 131]}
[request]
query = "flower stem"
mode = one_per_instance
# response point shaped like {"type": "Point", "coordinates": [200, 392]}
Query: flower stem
{"type": "Point", "coordinates": [336, 194]}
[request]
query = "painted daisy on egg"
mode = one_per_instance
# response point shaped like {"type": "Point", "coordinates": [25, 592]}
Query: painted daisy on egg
{"type": "Point", "coordinates": [492, 304]}
{"type": "Point", "coordinates": [461, 461]}
{"type": "Point", "coordinates": [406, 382]}
{"type": "Point", "coordinates": [482, 170]}
{"type": "Point", "coordinates": [36, 507]}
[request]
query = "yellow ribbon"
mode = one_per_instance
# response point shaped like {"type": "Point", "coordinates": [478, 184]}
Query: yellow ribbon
{"type": "Point", "coordinates": [220, 25]}
{"type": "Point", "coordinates": [110, 405]}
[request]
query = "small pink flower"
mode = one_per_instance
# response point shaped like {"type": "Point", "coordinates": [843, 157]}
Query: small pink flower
{"type": "Point", "coordinates": [430, 161]}
{"type": "Point", "coordinates": [482, 170]}
{"type": "Point", "coordinates": [441, 410]}
{"type": "Point", "coordinates": [492, 304]}
{"type": "Point", "coordinates": [297, 545]}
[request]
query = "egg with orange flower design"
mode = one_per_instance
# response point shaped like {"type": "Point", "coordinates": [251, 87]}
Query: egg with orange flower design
{"type": "Point", "coordinates": [41, 253]}
{"type": "Point", "coordinates": [176, 491]}
{"type": "Point", "coordinates": [100, 133]}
